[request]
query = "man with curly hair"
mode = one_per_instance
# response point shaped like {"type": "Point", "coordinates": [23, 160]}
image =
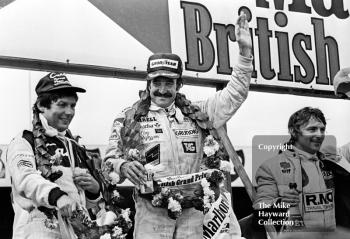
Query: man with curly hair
{"type": "Point", "coordinates": [299, 177]}
{"type": "Point", "coordinates": [48, 168]}
{"type": "Point", "coordinates": [170, 133]}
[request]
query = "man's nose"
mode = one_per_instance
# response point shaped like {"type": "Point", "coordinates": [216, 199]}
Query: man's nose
{"type": "Point", "coordinates": [162, 89]}
{"type": "Point", "coordinates": [70, 110]}
{"type": "Point", "coordinates": [319, 132]}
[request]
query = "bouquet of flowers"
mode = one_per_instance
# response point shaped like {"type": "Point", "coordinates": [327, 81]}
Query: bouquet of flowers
{"type": "Point", "coordinates": [115, 224]}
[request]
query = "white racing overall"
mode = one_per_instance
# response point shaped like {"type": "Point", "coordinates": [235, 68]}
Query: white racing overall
{"type": "Point", "coordinates": [175, 142]}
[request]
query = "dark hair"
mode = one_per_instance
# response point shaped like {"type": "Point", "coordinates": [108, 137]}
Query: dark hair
{"type": "Point", "coordinates": [301, 117]}
{"type": "Point", "coordinates": [46, 99]}
{"type": "Point", "coordinates": [179, 83]}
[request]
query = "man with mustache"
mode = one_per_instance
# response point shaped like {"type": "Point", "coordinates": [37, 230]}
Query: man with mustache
{"type": "Point", "coordinates": [299, 176]}
{"type": "Point", "coordinates": [171, 138]}
{"type": "Point", "coordinates": [48, 168]}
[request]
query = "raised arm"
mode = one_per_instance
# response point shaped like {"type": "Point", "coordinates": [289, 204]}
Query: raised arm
{"type": "Point", "coordinates": [226, 102]}
{"type": "Point", "coordinates": [342, 82]}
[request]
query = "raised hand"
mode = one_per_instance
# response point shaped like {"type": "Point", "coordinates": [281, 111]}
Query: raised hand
{"type": "Point", "coordinates": [342, 77]}
{"type": "Point", "coordinates": [243, 36]}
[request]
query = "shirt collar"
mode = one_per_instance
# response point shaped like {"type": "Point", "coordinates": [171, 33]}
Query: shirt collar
{"type": "Point", "coordinates": [305, 155]}
{"type": "Point", "coordinates": [170, 111]}
{"type": "Point", "coordinates": [49, 130]}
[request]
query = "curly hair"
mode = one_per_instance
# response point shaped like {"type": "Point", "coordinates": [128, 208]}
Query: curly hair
{"type": "Point", "coordinates": [301, 117]}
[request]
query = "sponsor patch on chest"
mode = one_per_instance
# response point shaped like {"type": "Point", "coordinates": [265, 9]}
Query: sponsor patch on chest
{"type": "Point", "coordinates": [148, 136]}
{"type": "Point", "coordinates": [147, 119]}
{"type": "Point", "coordinates": [153, 155]}
{"type": "Point", "coordinates": [189, 147]}
{"type": "Point", "coordinates": [186, 132]}
{"type": "Point", "coordinates": [285, 167]}
{"type": "Point", "coordinates": [158, 131]}
{"type": "Point", "coordinates": [151, 130]}
{"type": "Point", "coordinates": [320, 201]}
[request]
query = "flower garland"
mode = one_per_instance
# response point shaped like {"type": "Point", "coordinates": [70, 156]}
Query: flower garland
{"type": "Point", "coordinates": [117, 222]}
{"type": "Point", "coordinates": [214, 157]}
{"type": "Point", "coordinates": [44, 162]}
{"type": "Point", "coordinates": [43, 159]}
{"type": "Point", "coordinates": [170, 199]}
{"type": "Point", "coordinates": [210, 188]}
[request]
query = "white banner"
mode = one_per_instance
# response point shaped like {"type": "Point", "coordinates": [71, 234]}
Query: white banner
{"type": "Point", "coordinates": [179, 180]}
{"type": "Point", "coordinates": [299, 44]}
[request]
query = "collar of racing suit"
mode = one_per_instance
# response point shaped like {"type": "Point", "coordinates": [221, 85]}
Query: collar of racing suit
{"type": "Point", "coordinates": [170, 111]}
{"type": "Point", "coordinates": [305, 155]}
{"type": "Point", "coordinates": [49, 130]}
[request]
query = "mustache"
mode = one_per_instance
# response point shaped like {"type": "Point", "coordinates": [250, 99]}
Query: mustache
{"type": "Point", "coordinates": [166, 94]}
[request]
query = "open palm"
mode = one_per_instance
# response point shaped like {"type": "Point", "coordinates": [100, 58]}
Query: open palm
{"type": "Point", "coordinates": [243, 35]}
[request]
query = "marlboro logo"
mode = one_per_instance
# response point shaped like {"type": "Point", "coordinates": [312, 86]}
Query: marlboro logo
{"type": "Point", "coordinates": [218, 219]}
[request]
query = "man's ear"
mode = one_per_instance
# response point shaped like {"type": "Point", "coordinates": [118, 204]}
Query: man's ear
{"type": "Point", "coordinates": [179, 84]}
{"type": "Point", "coordinates": [293, 132]}
{"type": "Point", "coordinates": [148, 86]}
{"type": "Point", "coordinates": [41, 108]}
